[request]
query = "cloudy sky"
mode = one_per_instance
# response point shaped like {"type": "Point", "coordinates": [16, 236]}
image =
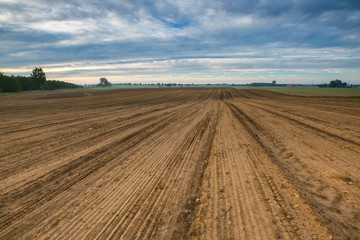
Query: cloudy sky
{"type": "Point", "coordinates": [202, 41]}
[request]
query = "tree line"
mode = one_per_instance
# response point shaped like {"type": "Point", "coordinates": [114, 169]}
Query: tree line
{"type": "Point", "coordinates": [335, 84]}
{"type": "Point", "coordinates": [36, 81]}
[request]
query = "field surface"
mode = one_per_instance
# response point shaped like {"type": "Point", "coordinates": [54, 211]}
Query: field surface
{"type": "Point", "coordinates": [178, 164]}
{"type": "Point", "coordinates": [313, 91]}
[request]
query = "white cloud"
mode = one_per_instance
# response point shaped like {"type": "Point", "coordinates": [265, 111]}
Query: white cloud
{"type": "Point", "coordinates": [168, 37]}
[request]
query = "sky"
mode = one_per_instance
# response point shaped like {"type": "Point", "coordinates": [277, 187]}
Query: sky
{"type": "Point", "coordinates": [187, 41]}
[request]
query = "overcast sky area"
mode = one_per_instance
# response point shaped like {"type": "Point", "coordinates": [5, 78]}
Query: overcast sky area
{"type": "Point", "coordinates": [200, 41]}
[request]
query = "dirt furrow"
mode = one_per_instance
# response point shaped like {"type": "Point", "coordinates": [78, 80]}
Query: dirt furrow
{"type": "Point", "coordinates": [179, 114]}
{"type": "Point", "coordinates": [74, 172]}
{"type": "Point", "coordinates": [326, 149]}
{"type": "Point", "coordinates": [240, 189]}
{"type": "Point", "coordinates": [327, 131]}
{"type": "Point", "coordinates": [191, 163]}
{"type": "Point", "coordinates": [304, 177]}
{"type": "Point", "coordinates": [138, 204]}
{"type": "Point", "coordinates": [158, 187]}
{"type": "Point", "coordinates": [75, 143]}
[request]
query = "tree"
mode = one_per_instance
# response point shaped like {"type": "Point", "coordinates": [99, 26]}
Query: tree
{"type": "Point", "coordinates": [53, 84]}
{"type": "Point", "coordinates": [39, 79]}
{"type": "Point", "coordinates": [9, 84]}
{"type": "Point", "coordinates": [27, 83]}
{"type": "Point", "coordinates": [337, 84]}
{"type": "Point", "coordinates": [104, 83]}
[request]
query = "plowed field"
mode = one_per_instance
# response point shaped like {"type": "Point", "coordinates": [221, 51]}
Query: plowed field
{"type": "Point", "coordinates": [178, 164]}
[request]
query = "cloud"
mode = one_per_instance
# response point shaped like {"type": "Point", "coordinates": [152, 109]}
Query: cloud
{"type": "Point", "coordinates": [207, 38]}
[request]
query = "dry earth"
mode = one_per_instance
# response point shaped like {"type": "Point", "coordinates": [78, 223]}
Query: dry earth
{"type": "Point", "coordinates": [178, 164]}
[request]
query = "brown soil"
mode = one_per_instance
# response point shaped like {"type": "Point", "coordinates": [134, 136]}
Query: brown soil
{"type": "Point", "coordinates": [178, 164]}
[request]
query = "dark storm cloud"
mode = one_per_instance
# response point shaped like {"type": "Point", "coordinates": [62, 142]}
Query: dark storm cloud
{"type": "Point", "coordinates": [52, 32]}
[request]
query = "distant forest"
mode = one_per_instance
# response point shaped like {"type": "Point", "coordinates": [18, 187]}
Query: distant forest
{"type": "Point", "coordinates": [36, 81]}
